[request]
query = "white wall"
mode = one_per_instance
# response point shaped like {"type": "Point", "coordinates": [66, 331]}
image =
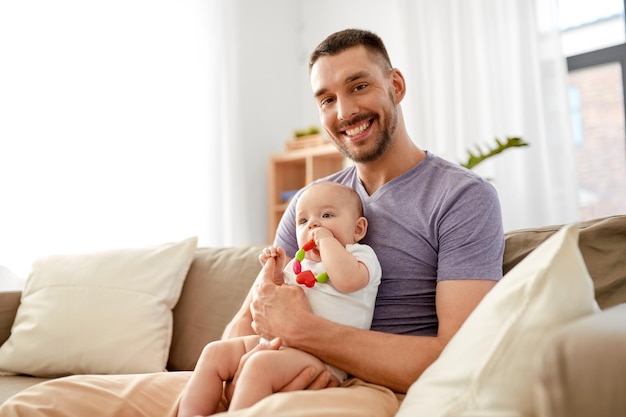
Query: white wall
{"type": "Point", "coordinates": [81, 81]}
{"type": "Point", "coordinates": [124, 86]}
{"type": "Point", "coordinates": [264, 47]}
{"type": "Point", "coordinates": [104, 115]}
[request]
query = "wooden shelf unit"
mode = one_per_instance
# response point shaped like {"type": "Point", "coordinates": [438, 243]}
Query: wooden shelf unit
{"type": "Point", "coordinates": [292, 170]}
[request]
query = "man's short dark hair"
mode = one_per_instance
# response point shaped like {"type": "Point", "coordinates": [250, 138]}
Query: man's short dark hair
{"type": "Point", "coordinates": [340, 41]}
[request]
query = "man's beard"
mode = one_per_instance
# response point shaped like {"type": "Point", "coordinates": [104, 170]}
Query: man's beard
{"type": "Point", "coordinates": [380, 144]}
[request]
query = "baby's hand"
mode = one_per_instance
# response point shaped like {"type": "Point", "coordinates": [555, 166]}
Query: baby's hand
{"type": "Point", "coordinates": [280, 258]}
{"type": "Point", "coordinates": [270, 252]}
{"type": "Point", "coordinates": [266, 253]}
{"type": "Point", "coordinates": [319, 233]}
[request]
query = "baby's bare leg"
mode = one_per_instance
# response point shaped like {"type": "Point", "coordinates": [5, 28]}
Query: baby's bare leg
{"type": "Point", "coordinates": [218, 363]}
{"type": "Point", "coordinates": [266, 372]}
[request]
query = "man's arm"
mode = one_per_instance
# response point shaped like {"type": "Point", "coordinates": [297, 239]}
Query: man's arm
{"type": "Point", "coordinates": [241, 325]}
{"type": "Point", "coordinates": [395, 361]}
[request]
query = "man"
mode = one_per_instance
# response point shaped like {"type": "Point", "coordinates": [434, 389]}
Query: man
{"type": "Point", "coordinates": [436, 228]}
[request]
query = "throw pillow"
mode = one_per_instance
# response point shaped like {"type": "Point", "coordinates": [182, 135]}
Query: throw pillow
{"type": "Point", "coordinates": [487, 367]}
{"type": "Point", "coordinates": [108, 312]}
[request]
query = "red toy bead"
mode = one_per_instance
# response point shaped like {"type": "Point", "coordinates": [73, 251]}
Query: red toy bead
{"type": "Point", "coordinates": [308, 245]}
{"type": "Point", "coordinates": [306, 277]}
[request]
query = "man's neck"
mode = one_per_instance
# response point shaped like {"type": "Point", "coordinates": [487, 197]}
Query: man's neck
{"type": "Point", "coordinates": [401, 156]}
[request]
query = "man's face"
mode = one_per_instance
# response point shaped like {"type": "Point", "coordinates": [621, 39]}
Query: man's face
{"type": "Point", "coordinates": [354, 95]}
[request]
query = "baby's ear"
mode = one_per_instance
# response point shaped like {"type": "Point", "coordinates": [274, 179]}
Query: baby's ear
{"type": "Point", "coordinates": [360, 229]}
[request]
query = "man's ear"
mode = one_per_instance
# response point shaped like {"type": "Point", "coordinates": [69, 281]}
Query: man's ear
{"type": "Point", "coordinates": [360, 229]}
{"type": "Point", "coordinates": [399, 85]}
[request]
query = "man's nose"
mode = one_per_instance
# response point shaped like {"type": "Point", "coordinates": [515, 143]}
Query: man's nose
{"type": "Point", "coordinates": [346, 108]}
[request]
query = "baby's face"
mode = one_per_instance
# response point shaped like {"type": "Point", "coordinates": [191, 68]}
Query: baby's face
{"type": "Point", "coordinates": [330, 206]}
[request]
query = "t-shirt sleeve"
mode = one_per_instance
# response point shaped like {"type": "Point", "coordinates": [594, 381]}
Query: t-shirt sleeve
{"type": "Point", "coordinates": [286, 231]}
{"type": "Point", "coordinates": [471, 237]}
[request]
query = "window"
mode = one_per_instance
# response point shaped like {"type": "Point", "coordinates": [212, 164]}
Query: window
{"type": "Point", "coordinates": [593, 38]}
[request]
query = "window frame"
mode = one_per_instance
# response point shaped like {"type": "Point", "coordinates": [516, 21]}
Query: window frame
{"type": "Point", "coordinates": [608, 55]}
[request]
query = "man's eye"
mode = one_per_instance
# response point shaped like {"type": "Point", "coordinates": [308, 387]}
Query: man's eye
{"type": "Point", "coordinates": [360, 87]}
{"type": "Point", "coordinates": [326, 101]}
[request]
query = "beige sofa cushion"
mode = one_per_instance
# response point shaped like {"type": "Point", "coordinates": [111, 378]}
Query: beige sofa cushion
{"type": "Point", "coordinates": [487, 367]}
{"type": "Point", "coordinates": [602, 243]}
{"type": "Point", "coordinates": [583, 369]}
{"type": "Point", "coordinates": [216, 285]}
{"type": "Point", "coordinates": [107, 312]}
{"type": "Point", "coordinates": [9, 301]}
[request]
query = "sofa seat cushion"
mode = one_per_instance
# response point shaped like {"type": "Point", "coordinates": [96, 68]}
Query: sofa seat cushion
{"type": "Point", "coordinates": [11, 385]}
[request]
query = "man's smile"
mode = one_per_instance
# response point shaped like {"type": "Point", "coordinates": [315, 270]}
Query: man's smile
{"type": "Point", "coordinates": [358, 129]}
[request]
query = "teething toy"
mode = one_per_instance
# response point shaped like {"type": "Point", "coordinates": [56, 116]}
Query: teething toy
{"type": "Point", "coordinates": [306, 277]}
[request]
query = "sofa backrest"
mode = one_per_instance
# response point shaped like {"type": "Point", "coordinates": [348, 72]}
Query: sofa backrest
{"type": "Point", "coordinates": [220, 278]}
{"type": "Point", "coordinates": [9, 302]}
{"type": "Point", "coordinates": [602, 243]}
{"type": "Point", "coordinates": [216, 285]}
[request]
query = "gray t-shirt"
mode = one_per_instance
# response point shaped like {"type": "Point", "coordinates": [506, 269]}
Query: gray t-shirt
{"type": "Point", "coordinates": [437, 221]}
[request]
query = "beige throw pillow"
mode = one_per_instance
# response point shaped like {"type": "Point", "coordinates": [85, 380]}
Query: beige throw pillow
{"type": "Point", "coordinates": [489, 366]}
{"type": "Point", "coordinates": [101, 313]}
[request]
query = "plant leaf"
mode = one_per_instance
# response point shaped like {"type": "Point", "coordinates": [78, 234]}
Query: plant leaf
{"type": "Point", "coordinates": [475, 159]}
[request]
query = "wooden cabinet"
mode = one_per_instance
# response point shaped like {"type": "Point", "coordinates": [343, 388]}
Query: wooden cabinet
{"type": "Point", "coordinates": [292, 170]}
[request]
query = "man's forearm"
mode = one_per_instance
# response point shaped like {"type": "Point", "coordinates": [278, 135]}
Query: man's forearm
{"type": "Point", "coordinates": [236, 328]}
{"type": "Point", "coordinates": [241, 324]}
{"type": "Point", "coordinates": [394, 361]}
{"type": "Point", "coordinates": [387, 359]}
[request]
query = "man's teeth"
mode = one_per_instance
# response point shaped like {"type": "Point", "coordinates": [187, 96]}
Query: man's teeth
{"type": "Point", "coordinates": [357, 130]}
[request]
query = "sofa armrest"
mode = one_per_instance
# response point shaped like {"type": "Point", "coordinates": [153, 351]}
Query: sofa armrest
{"type": "Point", "coordinates": [9, 301]}
{"type": "Point", "coordinates": [583, 369]}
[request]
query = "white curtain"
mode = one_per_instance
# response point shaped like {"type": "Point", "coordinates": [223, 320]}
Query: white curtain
{"type": "Point", "coordinates": [111, 134]}
{"type": "Point", "coordinates": [493, 68]}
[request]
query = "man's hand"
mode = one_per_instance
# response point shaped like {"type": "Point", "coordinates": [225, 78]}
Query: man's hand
{"type": "Point", "coordinates": [277, 310]}
{"type": "Point", "coordinates": [273, 344]}
{"type": "Point", "coordinates": [277, 254]}
{"type": "Point", "coordinates": [309, 379]}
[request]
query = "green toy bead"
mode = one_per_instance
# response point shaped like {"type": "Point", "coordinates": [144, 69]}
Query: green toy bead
{"type": "Point", "coordinates": [322, 278]}
{"type": "Point", "coordinates": [306, 277]}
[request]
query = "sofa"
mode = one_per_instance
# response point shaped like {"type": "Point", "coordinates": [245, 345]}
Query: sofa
{"type": "Point", "coordinates": [579, 369]}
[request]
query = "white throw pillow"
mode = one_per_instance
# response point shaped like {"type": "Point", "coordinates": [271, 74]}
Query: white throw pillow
{"type": "Point", "coordinates": [488, 368]}
{"type": "Point", "coordinates": [101, 313]}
